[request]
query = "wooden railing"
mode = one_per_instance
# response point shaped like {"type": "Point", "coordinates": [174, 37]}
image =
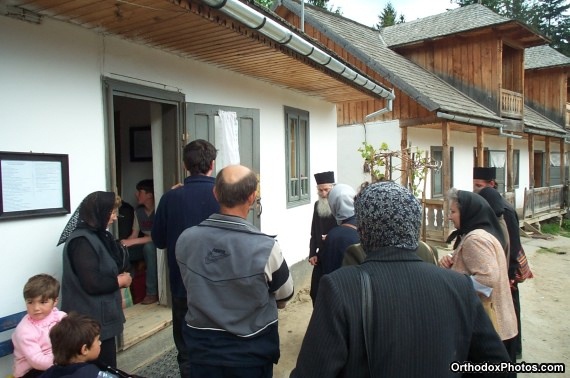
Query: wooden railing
{"type": "Point", "coordinates": [544, 200]}
{"type": "Point", "coordinates": [436, 224]}
{"type": "Point", "coordinates": [511, 104]}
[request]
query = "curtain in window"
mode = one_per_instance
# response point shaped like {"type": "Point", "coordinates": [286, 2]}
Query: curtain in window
{"type": "Point", "coordinates": [227, 139]}
{"type": "Point", "coordinates": [497, 159]}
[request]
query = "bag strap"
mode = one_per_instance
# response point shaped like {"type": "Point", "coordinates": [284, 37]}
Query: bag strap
{"type": "Point", "coordinates": [366, 303]}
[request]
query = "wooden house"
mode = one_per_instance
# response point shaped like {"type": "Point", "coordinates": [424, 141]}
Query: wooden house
{"type": "Point", "coordinates": [459, 81]}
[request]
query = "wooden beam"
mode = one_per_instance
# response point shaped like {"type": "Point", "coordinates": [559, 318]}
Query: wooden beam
{"type": "Point", "coordinates": [547, 162]}
{"type": "Point", "coordinates": [480, 147]}
{"type": "Point", "coordinates": [405, 160]}
{"type": "Point", "coordinates": [446, 171]}
{"type": "Point", "coordinates": [510, 172]}
{"type": "Point", "coordinates": [531, 161]}
{"type": "Point", "coordinates": [563, 177]}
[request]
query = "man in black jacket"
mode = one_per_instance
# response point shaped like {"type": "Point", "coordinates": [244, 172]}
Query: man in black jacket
{"type": "Point", "coordinates": [425, 321]}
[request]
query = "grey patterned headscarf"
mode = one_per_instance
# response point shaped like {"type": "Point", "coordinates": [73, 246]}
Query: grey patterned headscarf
{"type": "Point", "coordinates": [387, 215]}
{"type": "Point", "coordinates": [341, 201]}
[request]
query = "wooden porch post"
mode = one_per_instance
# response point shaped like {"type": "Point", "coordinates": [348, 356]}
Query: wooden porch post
{"type": "Point", "coordinates": [480, 158]}
{"type": "Point", "coordinates": [405, 156]}
{"type": "Point", "coordinates": [563, 177]}
{"type": "Point", "coordinates": [446, 172]}
{"type": "Point", "coordinates": [547, 162]}
{"type": "Point", "coordinates": [510, 172]}
{"type": "Point", "coordinates": [531, 161]}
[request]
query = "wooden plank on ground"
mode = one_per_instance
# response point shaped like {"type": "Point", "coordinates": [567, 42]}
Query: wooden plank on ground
{"type": "Point", "coordinates": [144, 321]}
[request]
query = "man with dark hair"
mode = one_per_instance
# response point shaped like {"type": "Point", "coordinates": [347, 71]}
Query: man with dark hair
{"type": "Point", "coordinates": [420, 319]}
{"type": "Point", "coordinates": [323, 222]}
{"type": "Point", "coordinates": [236, 278]}
{"type": "Point", "coordinates": [178, 209]}
{"type": "Point", "coordinates": [485, 177]}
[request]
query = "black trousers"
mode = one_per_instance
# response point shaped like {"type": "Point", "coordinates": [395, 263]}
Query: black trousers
{"type": "Point", "coordinates": [179, 310]}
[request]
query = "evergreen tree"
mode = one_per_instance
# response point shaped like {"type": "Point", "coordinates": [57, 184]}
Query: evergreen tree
{"type": "Point", "coordinates": [389, 17]}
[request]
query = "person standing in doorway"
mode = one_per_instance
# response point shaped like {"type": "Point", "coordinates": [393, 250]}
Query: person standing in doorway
{"type": "Point", "coordinates": [140, 236]}
{"type": "Point", "coordinates": [323, 221]}
{"type": "Point", "coordinates": [179, 209]}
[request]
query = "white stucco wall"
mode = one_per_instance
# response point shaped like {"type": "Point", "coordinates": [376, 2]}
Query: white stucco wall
{"type": "Point", "coordinates": [51, 101]}
{"type": "Point", "coordinates": [350, 161]}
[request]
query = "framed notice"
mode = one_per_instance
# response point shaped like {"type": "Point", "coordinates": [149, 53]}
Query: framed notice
{"type": "Point", "coordinates": [33, 185]}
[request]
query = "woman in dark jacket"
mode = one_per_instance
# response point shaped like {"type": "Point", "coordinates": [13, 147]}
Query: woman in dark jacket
{"type": "Point", "coordinates": [95, 268]}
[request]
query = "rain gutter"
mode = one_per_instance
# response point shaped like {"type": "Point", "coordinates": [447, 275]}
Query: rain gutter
{"type": "Point", "coordinates": [282, 35]}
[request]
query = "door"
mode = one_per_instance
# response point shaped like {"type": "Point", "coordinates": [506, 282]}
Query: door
{"type": "Point", "coordinates": [200, 124]}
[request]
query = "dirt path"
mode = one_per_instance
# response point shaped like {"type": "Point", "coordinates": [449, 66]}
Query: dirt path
{"type": "Point", "coordinates": [544, 301]}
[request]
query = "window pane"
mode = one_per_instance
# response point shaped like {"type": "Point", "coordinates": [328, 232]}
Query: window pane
{"type": "Point", "coordinates": [303, 158]}
{"type": "Point", "coordinates": [437, 177]}
{"type": "Point", "coordinates": [516, 160]}
{"type": "Point", "coordinates": [293, 148]}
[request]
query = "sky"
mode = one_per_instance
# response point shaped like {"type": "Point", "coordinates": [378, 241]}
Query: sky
{"type": "Point", "coordinates": [366, 11]}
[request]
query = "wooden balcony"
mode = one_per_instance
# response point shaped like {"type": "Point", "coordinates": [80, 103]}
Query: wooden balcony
{"type": "Point", "coordinates": [512, 104]}
{"type": "Point", "coordinates": [539, 204]}
{"type": "Point", "coordinates": [544, 203]}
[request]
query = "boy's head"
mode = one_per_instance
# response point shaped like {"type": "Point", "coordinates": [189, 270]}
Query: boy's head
{"type": "Point", "coordinates": [145, 191]}
{"type": "Point", "coordinates": [41, 293]}
{"type": "Point", "coordinates": [75, 339]}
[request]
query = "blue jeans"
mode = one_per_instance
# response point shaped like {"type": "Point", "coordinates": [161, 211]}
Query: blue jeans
{"type": "Point", "coordinates": [147, 252]}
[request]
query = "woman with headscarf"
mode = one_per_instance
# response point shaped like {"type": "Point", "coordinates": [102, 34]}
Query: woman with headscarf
{"type": "Point", "coordinates": [478, 252]}
{"type": "Point", "coordinates": [339, 238]}
{"type": "Point", "coordinates": [95, 269]}
{"type": "Point", "coordinates": [495, 200]}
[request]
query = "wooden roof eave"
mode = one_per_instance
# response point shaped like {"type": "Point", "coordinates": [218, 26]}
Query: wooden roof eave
{"type": "Point", "coordinates": [191, 29]}
{"type": "Point", "coordinates": [511, 30]}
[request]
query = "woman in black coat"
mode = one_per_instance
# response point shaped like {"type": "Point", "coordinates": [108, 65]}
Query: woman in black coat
{"type": "Point", "coordinates": [95, 268]}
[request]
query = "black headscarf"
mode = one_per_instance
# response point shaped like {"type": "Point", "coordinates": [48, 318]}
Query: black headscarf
{"type": "Point", "coordinates": [93, 214]}
{"type": "Point", "coordinates": [475, 213]}
{"type": "Point", "coordinates": [494, 199]}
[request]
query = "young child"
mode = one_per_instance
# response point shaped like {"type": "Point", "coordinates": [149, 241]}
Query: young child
{"type": "Point", "coordinates": [76, 346]}
{"type": "Point", "coordinates": [32, 347]}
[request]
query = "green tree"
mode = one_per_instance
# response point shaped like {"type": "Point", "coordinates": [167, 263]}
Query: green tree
{"type": "Point", "coordinates": [389, 17]}
{"type": "Point", "coordinates": [265, 3]}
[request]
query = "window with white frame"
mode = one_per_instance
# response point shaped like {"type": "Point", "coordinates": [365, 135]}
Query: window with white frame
{"type": "Point", "coordinates": [297, 155]}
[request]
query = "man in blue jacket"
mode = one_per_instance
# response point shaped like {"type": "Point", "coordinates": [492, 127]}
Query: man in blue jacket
{"type": "Point", "coordinates": [179, 209]}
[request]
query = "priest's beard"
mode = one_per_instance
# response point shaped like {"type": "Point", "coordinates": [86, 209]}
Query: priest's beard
{"type": "Point", "coordinates": [323, 208]}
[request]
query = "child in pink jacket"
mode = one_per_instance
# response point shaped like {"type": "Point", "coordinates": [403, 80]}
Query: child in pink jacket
{"type": "Point", "coordinates": [32, 346]}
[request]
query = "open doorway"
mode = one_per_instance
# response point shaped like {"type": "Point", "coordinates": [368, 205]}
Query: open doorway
{"type": "Point", "coordinates": [143, 129]}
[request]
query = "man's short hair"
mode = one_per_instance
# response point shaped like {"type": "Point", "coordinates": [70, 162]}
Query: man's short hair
{"type": "Point", "coordinates": [70, 334]}
{"type": "Point", "coordinates": [198, 156]}
{"type": "Point", "coordinates": [147, 185]}
{"type": "Point", "coordinates": [387, 214]}
{"type": "Point", "coordinates": [237, 193]}
{"type": "Point", "coordinates": [41, 285]}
